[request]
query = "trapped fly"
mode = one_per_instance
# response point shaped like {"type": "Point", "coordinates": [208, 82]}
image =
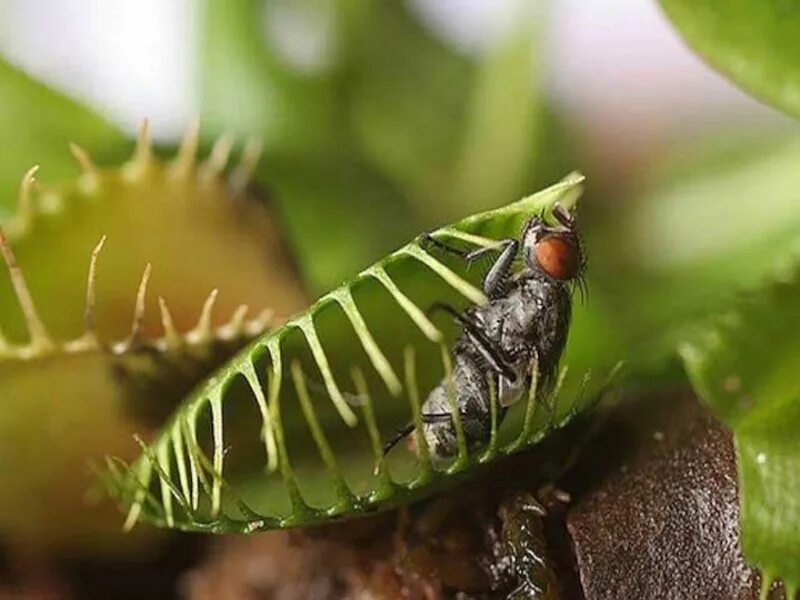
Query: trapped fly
{"type": "Point", "coordinates": [523, 328]}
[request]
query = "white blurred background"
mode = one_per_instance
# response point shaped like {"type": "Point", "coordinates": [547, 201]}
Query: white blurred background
{"type": "Point", "coordinates": [616, 65]}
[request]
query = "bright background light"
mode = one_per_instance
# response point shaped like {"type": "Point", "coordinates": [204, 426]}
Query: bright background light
{"type": "Point", "coordinates": [616, 65]}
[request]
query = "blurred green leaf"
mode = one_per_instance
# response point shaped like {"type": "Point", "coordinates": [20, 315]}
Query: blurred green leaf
{"type": "Point", "coordinates": [37, 124]}
{"type": "Point", "coordinates": [381, 131]}
{"type": "Point", "coordinates": [337, 210]}
{"type": "Point", "coordinates": [723, 223]}
{"type": "Point", "coordinates": [504, 135]}
{"type": "Point", "coordinates": [337, 213]}
{"type": "Point", "coordinates": [248, 87]}
{"type": "Point", "coordinates": [753, 42]}
{"type": "Point", "coordinates": [409, 103]}
{"type": "Point", "coordinates": [745, 366]}
{"type": "Point", "coordinates": [458, 134]}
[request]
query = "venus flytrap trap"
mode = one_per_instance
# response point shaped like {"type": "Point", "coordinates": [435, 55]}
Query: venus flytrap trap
{"type": "Point", "coordinates": [87, 357]}
{"type": "Point", "coordinates": [289, 431]}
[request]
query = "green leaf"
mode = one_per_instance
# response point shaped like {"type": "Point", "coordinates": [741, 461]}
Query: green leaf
{"type": "Point", "coordinates": [248, 87]}
{"type": "Point", "coordinates": [363, 141]}
{"type": "Point", "coordinates": [36, 126]}
{"type": "Point", "coordinates": [275, 438]}
{"type": "Point", "coordinates": [409, 121]}
{"type": "Point", "coordinates": [745, 366]}
{"type": "Point", "coordinates": [323, 186]}
{"type": "Point", "coordinates": [753, 42]}
{"type": "Point", "coordinates": [720, 223]}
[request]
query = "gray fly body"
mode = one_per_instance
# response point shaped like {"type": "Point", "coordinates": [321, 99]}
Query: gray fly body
{"type": "Point", "coordinates": [523, 327]}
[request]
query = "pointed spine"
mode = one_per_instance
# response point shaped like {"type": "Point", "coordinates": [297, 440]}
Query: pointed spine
{"type": "Point", "coordinates": [465, 288]}
{"type": "Point", "coordinates": [142, 157]}
{"type": "Point", "coordinates": [243, 174]}
{"type": "Point", "coordinates": [216, 162]}
{"type": "Point", "coordinates": [89, 338]}
{"type": "Point", "coordinates": [82, 157]}
{"type": "Point", "coordinates": [89, 175]}
{"type": "Point", "coordinates": [412, 310]}
{"type": "Point", "coordinates": [345, 495]}
{"type": "Point", "coordinates": [138, 313]}
{"type": "Point", "coordinates": [219, 452]}
{"type": "Point", "coordinates": [236, 326]}
{"type": "Point", "coordinates": [202, 331]}
{"type": "Point", "coordinates": [40, 341]}
{"type": "Point", "coordinates": [23, 219]}
{"type": "Point", "coordinates": [260, 323]}
{"type": "Point", "coordinates": [306, 325]}
{"type": "Point", "coordinates": [412, 387]}
{"type": "Point", "coordinates": [185, 160]}
{"type": "Point", "coordinates": [375, 354]}
{"type": "Point", "coordinates": [171, 334]}
{"type": "Point", "coordinates": [267, 433]}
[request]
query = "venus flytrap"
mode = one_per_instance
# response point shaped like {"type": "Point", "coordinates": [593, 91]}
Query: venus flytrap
{"type": "Point", "coordinates": [377, 353]}
{"type": "Point", "coordinates": [87, 355]}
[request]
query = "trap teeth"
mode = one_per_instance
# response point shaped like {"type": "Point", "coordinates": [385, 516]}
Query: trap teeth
{"type": "Point", "coordinates": [184, 162]}
{"type": "Point", "coordinates": [40, 341]}
{"type": "Point", "coordinates": [217, 160]}
{"type": "Point", "coordinates": [171, 335]}
{"type": "Point", "coordinates": [243, 173]}
{"type": "Point", "coordinates": [83, 158]}
{"type": "Point", "coordinates": [69, 319]}
{"type": "Point", "coordinates": [143, 153]}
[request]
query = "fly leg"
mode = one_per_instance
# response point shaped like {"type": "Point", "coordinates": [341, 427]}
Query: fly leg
{"type": "Point", "coordinates": [426, 239]}
{"type": "Point", "coordinates": [496, 279]}
{"type": "Point", "coordinates": [489, 350]}
{"type": "Point", "coordinates": [495, 283]}
{"type": "Point", "coordinates": [426, 418]}
{"type": "Point", "coordinates": [397, 438]}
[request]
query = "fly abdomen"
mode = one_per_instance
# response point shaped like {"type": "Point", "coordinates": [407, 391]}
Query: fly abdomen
{"type": "Point", "coordinates": [470, 389]}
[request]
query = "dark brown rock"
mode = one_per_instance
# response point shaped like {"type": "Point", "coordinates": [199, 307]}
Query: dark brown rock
{"type": "Point", "coordinates": [663, 523]}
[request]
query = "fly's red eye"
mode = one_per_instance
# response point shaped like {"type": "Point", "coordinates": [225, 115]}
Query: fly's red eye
{"type": "Point", "coordinates": [558, 257]}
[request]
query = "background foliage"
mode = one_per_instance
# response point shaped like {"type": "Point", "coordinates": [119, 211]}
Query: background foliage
{"type": "Point", "coordinates": [398, 132]}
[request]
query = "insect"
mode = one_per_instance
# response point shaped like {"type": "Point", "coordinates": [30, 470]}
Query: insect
{"type": "Point", "coordinates": [522, 330]}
